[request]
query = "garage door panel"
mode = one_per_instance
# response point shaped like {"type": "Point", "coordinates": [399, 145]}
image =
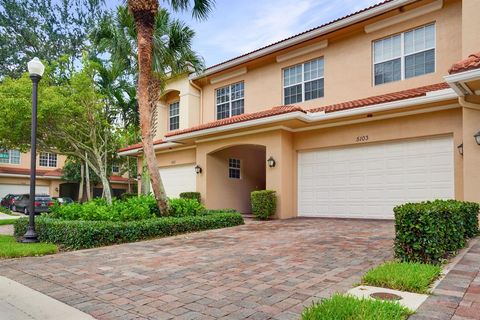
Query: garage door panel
{"type": "Point", "coordinates": [178, 179]}
{"type": "Point", "coordinates": [369, 180]}
{"type": "Point", "coordinates": [21, 189]}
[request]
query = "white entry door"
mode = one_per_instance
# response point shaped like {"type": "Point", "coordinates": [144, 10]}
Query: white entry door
{"type": "Point", "coordinates": [20, 189]}
{"type": "Point", "coordinates": [178, 179]}
{"type": "Point", "coordinates": [367, 181]}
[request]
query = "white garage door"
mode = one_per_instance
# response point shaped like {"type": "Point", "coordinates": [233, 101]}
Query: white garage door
{"type": "Point", "coordinates": [177, 179]}
{"type": "Point", "coordinates": [21, 188]}
{"type": "Point", "coordinates": [368, 181]}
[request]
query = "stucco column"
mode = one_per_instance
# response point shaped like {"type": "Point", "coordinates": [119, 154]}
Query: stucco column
{"type": "Point", "coordinates": [281, 177]}
{"type": "Point", "coordinates": [470, 27]}
{"type": "Point", "coordinates": [189, 109]}
{"type": "Point", "coordinates": [471, 154]}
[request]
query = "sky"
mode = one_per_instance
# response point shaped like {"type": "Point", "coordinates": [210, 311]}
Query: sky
{"type": "Point", "coordinates": [237, 27]}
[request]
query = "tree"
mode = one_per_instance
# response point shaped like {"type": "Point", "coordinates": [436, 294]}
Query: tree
{"type": "Point", "coordinates": [74, 171]}
{"type": "Point", "coordinates": [73, 120]}
{"type": "Point", "coordinates": [45, 29]}
{"type": "Point", "coordinates": [144, 13]}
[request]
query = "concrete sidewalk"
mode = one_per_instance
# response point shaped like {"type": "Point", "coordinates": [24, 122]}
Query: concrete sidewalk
{"type": "Point", "coordinates": [18, 302]}
{"type": "Point", "coordinates": [4, 216]}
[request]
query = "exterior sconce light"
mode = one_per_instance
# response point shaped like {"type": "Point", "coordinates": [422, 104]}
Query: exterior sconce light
{"type": "Point", "coordinates": [460, 149]}
{"type": "Point", "coordinates": [477, 137]}
{"type": "Point", "coordinates": [271, 162]}
{"type": "Point", "coordinates": [198, 169]}
{"type": "Point", "coordinates": [139, 177]}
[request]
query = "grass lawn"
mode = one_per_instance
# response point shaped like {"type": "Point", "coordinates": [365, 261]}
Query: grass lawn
{"type": "Point", "coordinates": [404, 276]}
{"type": "Point", "coordinates": [10, 248]}
{"type": "Point", "coordinates": [343, 307]}
{"type": "Point", "coordinates": [7, 221]}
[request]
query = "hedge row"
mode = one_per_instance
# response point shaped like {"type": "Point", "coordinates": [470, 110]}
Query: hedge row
{"type": "Point", "coordinates": [264, 203]}
{"type": "Point", "coordinates": [430, 231]}
{"type": "Point", "coordinates": [89, 234]}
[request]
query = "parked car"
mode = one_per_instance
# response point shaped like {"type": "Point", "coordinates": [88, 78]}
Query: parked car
{"type": "Point", "coordinates": [42, 203]}
{"type": "Point", "coordinates": [63, 200]}
{"type": "Point", "coordinates": [9, 201]}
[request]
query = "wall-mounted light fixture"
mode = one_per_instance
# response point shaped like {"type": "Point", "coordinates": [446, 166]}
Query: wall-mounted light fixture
{"type": "Point", "coordinates": [271, 162]}
{"type": "Point", "coordinates": [198, 169]}
{"type": "Point", "coordinates": [460, 149]}
{"type": "Point", "coordinates": [477, 137]}
{"type": "Point", "coordinates": [139, 177]}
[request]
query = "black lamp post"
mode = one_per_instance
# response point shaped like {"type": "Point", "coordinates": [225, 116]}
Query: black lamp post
{"type": "Point", "coordinates": [36, 69]}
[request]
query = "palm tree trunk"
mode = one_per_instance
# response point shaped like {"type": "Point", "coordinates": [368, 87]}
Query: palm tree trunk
{"type": "Point", "coordinates": [144, 14]}
{"type": "Point", "coordinates": [82, 178]}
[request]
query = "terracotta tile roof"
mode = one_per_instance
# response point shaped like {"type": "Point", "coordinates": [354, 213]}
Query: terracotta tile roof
{"type": "Point", "coordinates": [240, 118]}
{"type": "Point", "coordinates": [139, 146]}
{"type": "Point", "coordinates": [389, 97]}
{"type": "Point", "coordinates": [25, 171]}
{"type": "Point", "coordinates": [302, 33]}
{"type": "Point", "coordinates": [470, 63]}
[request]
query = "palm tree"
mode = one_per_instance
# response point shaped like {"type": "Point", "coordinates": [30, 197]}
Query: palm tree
{"type": "Point", "coordinates": [156, 58]}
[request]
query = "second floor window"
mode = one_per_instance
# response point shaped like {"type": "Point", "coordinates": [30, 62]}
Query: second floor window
{"type": "Point", "coordinates": [404, 55]}
{"type": "Point", "coordinates": [303, 82]}
{"type": "Point", "coordinates": [10, 156]}
{"type": "Point", "coordinates": [230, 100]}
{"type": "Point", "coordinates": [48, 159]}
{"type": "Point", "coordinates": [115, 168]}
{"type": "Point", "coordinates": [174, 116]}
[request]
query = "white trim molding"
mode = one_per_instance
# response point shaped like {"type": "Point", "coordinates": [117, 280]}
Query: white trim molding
{"type": "Point", "coordinates": [228, 76]}
{"type": "Point", "coordinates": [14, 175]}
{"type": "Point", "coordinates": [458, 81]}
{"type": "Point", "coordinates": [302, 51]}
{"type": "Point", "coordinates": [160, 146]}
{"type": "Point", "coordinates": [431, 7]}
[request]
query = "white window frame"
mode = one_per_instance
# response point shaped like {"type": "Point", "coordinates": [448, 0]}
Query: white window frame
{"type": "Point", "coordinates": [235, 168]}
{"type": "Point", "coordinates": [10, 151]}
{"type": "Point", "coordinates": [52, 160]}
{"type": "Point", "coordinates": [230, 100]}
{"type": "Point", "coordinates": [170, 117]}
{"type": "Point", "coordinates": [403, 55]}
{"type": "Point", "coordinates": [302, 83]}
{"type": "Point", "coordinates": [115, 168]}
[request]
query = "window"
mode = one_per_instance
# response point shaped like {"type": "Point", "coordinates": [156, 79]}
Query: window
{"type": "Point", "coordinates": [230, 100]}
{"type": "Point", "coordinates": [48, 159]}
{"type": "Point", "coordinates": [404, 55]}
{"type": "Point", "coordinates": [234, 168]}
{"type": "Point", "coordinates": [10, 156]}
{"type": "Point", "coordinates": [115, 168]}
{"type": "Point", "coordinates": [303, 82]}
{"type": "Point", "coordinates": [174, 116]}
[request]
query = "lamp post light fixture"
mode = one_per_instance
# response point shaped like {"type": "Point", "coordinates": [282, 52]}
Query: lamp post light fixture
{"type": "Point", "coordinates": [36, 69]}
{"type": "Point", "coordinates": [460, 149]}
{"type": "Point", "coordinates": [271, 162]}
{"type": "Point", "coordinates": [477, 137]}
{"type": "Point", "coordinates": [198, 169]}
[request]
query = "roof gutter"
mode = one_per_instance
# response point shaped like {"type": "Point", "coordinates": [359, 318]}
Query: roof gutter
{"type": "Point", "coordinates": [160, 146]}
{"type": "Point", "coordinates": [432, 97]}
{"type": "Point", "coordinates": [457, 81]}
{"type": "Point", "coordinates": [305, 37]}
{"type": "Point", "coordinates": [18, 175]}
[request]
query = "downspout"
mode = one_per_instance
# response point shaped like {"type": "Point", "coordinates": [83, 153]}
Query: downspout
{"type": "Point", "coordinates": [201, 98]}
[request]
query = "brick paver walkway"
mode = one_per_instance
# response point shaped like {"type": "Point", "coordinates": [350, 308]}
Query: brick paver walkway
{"type": "Point", "coordinates": [457, 296]}
{"type": "Point", "coordinates": [262, 270]}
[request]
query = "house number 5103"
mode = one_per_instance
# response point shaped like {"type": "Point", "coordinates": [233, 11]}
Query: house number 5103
{"type": "Point", "coordinates": [362, 138]}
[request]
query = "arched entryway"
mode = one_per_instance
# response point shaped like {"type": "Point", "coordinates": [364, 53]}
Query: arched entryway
{"type": "Point", "coordinates": [233, 173]}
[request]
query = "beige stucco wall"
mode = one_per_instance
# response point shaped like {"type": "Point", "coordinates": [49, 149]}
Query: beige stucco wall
{"type": "Point", "coordinates": [235, 193]}
{"type": "Point", "coordinates": [25, 162]}
{"type": "Point", "coordinates": [471, 151]}
{"type": "Point", "coordinates": [470, 27]}
{"type": "Point", "coordinates": [348, 66]}
{"type": "Point", "coordinates": [54, 185]}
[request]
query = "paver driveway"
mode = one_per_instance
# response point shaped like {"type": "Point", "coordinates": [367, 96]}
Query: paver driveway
{"type": "Point", "coordinates": [261, 270]}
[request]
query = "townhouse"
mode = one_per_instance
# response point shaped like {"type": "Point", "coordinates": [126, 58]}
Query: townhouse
{"type": "Point", "coordinates": [348, 119]}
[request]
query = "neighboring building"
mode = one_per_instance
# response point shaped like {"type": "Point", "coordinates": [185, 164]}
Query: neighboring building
{"type": "Point", "coordinates": [15, 176]}
{"type": "Point", "coordinates": [359, 115]}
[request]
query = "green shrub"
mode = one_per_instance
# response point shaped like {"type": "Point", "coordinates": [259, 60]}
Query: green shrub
{"type": "Point", "coordinates": [229, 210]}
{"type": "Point", "coordinates": [89, 234]}
{"type": "Point", "coordinates": [191, 195]}
{"type": "Point", "coordinates": [127, 195]}
{"type": "Point", "coordinates": [429, 231]}
{"type": "Point", "coordinates": [264, 203]}
{"type": "Point", "coordinates": [131, 209]}
{"type": "Point", "coordinates": [185, 207]}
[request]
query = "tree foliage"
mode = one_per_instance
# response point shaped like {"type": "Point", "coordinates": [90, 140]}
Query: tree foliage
{"type": "Point", "coordinates": [46, 29]}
